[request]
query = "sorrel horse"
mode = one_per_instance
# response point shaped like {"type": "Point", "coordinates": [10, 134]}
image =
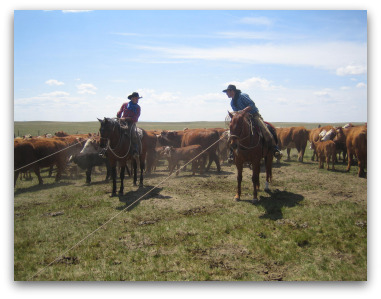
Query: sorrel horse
{"type": "Point", "coordinates": [119, 149]}
{"type": "Point", "coordinates": [248, 146]}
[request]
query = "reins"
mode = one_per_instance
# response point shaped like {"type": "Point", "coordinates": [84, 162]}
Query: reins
{"type": "Point", "coordinates": [112, 150]}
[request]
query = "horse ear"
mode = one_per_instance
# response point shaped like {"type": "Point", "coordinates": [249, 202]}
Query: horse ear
{"type": "Point", "coordinates": [230, 114]}
{"type": "Point", "coordinates": [99, 120]}
{"type": "Point", "coordinates": [247, 109]}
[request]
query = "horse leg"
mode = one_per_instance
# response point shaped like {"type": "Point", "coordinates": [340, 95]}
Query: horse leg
{"type": "Point", "coordinates": [268, 163]}
{"type": "Point", "coordinates": [121, 176]}
{"type": "Point", "coordinates": [113, 176]}
{"type": "Point", "coordinates": [239, 166]}
{"type": "Point", "coordinates": [142, 168]}
{"type": "Point", "coordinates": [288, 154]}
{"type": "Point", "coordinates": [16, 176]}
{"type": "Point", "coordinates": [108, 172]}
{"type": "Point", "coordinates": [135, 166]}
{"type": "Point", "coordinates": [255, 180]}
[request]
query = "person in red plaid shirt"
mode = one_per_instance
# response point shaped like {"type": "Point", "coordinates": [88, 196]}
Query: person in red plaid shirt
{"type": "Point", "coordinates": [130, 113]}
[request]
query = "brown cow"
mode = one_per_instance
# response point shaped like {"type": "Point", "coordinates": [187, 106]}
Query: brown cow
{"type": "Point", "coordinates": [45, 152]}
{"type": "Point", "coordinates": [187, 153]}
{"type": "Point", "coordinates": [293, 137]}
{"type": "Point", "coordinates": [355, 139]}
{"type": "Point", "coordinates": [150, 141]}
{"type": "Point", "coordinates": [171, 138]}
{"type": "Point", "coordinates": [314, 136]}
{"type": "Point", "coordinates": [325, 151]}
{"type": "Point", "coordinates": [208, 139]}
{"type": "Point", "coordinates": [223, 147]}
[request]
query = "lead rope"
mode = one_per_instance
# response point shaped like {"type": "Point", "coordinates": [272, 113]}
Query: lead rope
{"type": "Point", "coordinates": [117, 214]}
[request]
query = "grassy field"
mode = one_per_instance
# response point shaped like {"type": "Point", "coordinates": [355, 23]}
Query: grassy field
{"type": "Point", "coordinates": [36, 128]}
{"type": "Point", "coordinates": [312, 225]}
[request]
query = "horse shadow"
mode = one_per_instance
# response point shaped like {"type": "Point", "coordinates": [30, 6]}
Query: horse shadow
{"type": "Point", "coordinates": [132, 198]}
{"type": "Point", "coordinates": [274, 203]}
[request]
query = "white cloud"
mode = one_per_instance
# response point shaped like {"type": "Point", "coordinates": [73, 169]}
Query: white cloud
{"type": "Point", "coordinates": [351, 70]}
{"type": "Point", "coordinates": [55, 94]}
{"type": "Point", "coordinates": [322, 93]}
{"type": "Point", "coordinates": [53, 82]}
{"type": "Point", "coordinates": [86, 88]}
{"type": "Point", "coordinates": [246, 35]}
{"type": "Point", "coordinates": [254, 82]}
{"type": "Point", "coordinates": [331, 55]}
{"type": "Point", "coordinates": [256, 21]}
{"type": "Point", "coordinates": [151, 96]}
{"type": "Point", "coordinates": [361, 85]}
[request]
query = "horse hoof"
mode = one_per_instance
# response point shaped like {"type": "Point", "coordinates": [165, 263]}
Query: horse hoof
{"type": "Point", "coordinates": [236, 198]}
{"type": "Point", "coordinates": [113, 195]}
{"type": "Point", "coordinates": [255, 201]}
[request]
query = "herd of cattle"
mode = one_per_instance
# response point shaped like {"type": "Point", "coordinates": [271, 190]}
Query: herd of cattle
{"type": "Point", "coordinates": [66, 151]}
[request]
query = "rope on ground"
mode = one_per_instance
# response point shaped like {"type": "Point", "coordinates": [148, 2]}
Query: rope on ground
{"type": "Point", "coordinates": [51, 155]}
{"type": "Point", "coordinates": [117, 214]}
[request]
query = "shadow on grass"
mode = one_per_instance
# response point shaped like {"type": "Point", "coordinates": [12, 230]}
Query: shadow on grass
{"type": "Point", "coordinates": [38, 187]}
{"type": "Point", "coordinates": [276, 201]}
{"type": "Point", "coordinates": [132, 198]}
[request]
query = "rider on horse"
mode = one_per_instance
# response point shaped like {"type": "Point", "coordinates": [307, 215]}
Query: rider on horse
{"type": "Point", "coordinates": [242, 100]}
{"type": "Point", "coordinates": [130, 112]}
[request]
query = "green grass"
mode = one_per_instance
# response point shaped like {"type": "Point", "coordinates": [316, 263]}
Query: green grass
{"type": "Point", "coordinates": [311, 226]}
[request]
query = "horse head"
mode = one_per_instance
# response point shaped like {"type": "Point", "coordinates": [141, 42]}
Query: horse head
{"type": "Point", "coordinates": [107, 130]}
{"type": "Point", "coordinates": [239, 127]}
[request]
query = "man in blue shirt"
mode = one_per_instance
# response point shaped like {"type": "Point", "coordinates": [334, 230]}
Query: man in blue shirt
{"type": "Point", "coordinates": [242, 100]}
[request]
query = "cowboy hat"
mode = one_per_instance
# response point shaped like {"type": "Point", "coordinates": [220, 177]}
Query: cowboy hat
{"type": "Point", "coordinates": [134, 95]}
{"type": "Point", "coordinates": [231, 87]}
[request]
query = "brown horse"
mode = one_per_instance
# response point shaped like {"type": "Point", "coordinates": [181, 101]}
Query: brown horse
{"type": "Point", "coordinates": [119, 149]}
{"type": "Point", "coordinates": [248, 146]}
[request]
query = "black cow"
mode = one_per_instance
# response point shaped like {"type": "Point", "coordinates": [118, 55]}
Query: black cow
{"type": "Point", "coordinates": [89, 157]}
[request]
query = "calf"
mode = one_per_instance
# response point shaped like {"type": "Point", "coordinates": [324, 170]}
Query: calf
{"type": "Point", "coordinates": [187, 153]}
{"type": "Point", "coordinates": [325, 150]}
{"type": "Point", "coordinates": [89, 157]}
{"type": "Point", "coordinates": [315, 135]}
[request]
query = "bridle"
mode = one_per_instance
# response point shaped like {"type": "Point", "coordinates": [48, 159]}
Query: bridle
{"type": "Point", "coordinates": [250, 133]}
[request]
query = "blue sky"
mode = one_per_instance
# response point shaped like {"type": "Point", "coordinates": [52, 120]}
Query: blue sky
{"type": "Point", "coordinates": [297, 66]}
